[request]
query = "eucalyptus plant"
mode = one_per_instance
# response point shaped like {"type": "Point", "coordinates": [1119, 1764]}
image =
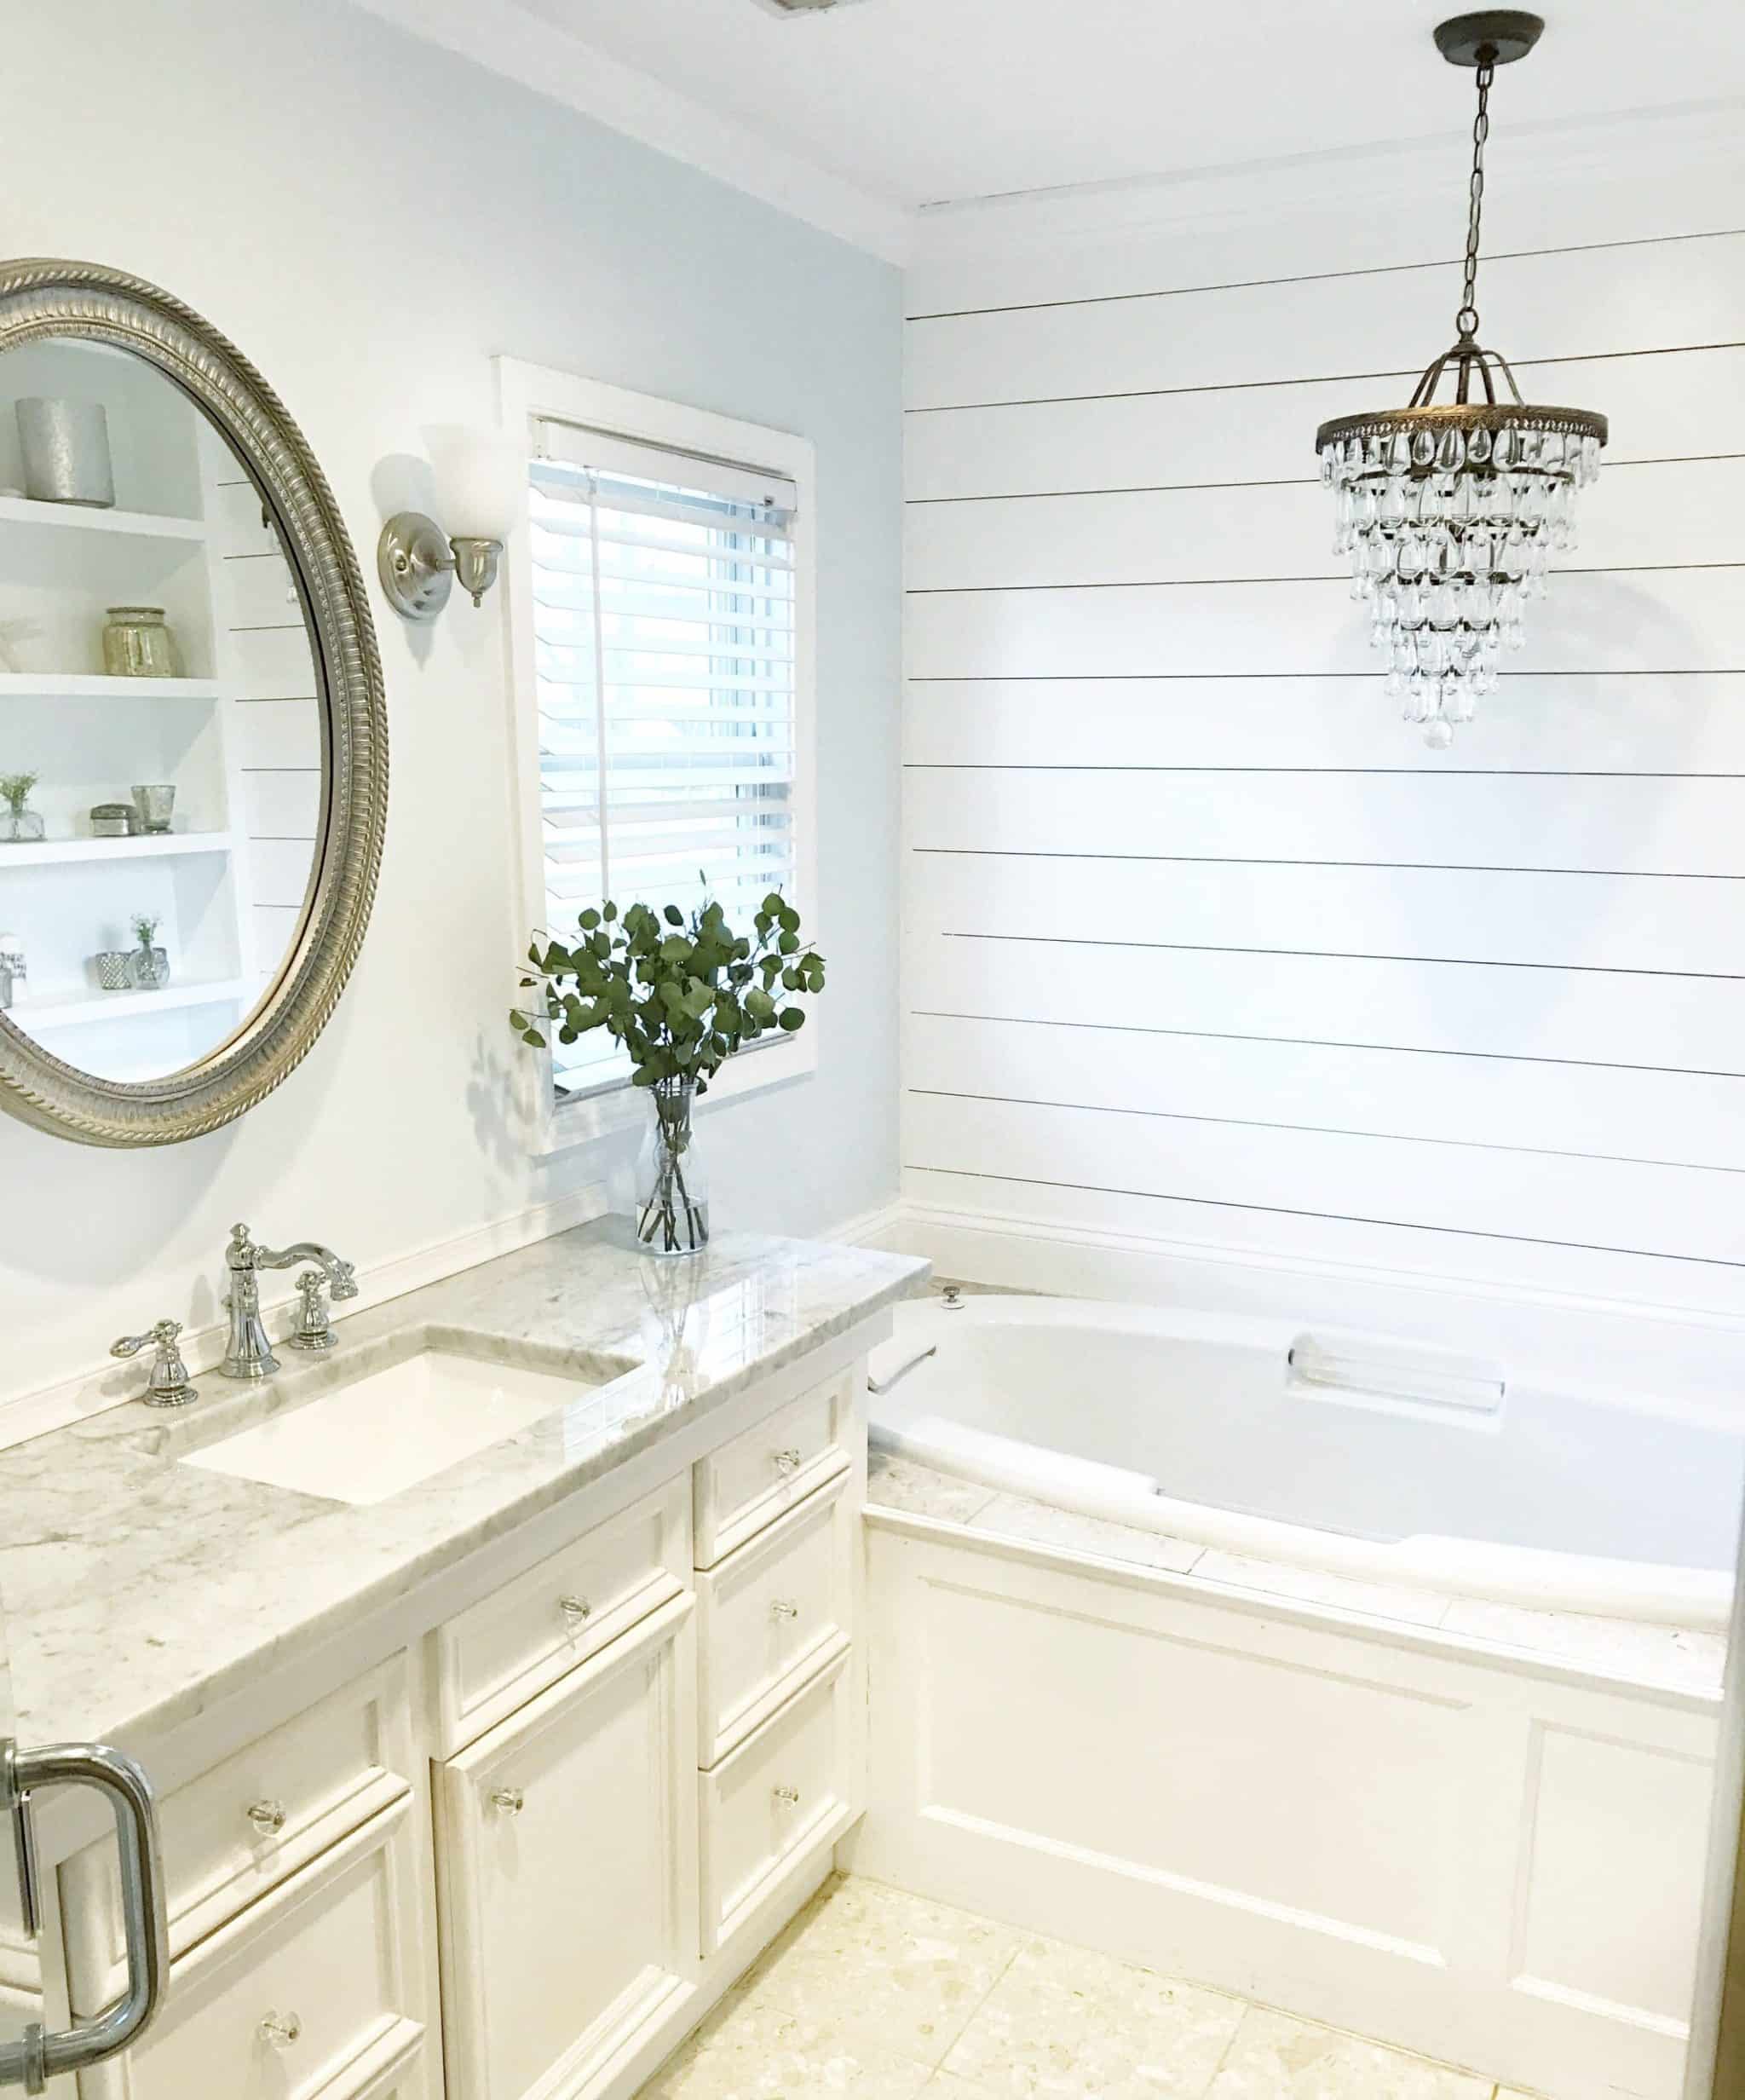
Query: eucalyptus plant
{"type": "Point", "coordinates": [682, 994]}
{"type": "Point", "coordinates": [145, 930]}
{"type": "Point", "coordinates": [16, 790]}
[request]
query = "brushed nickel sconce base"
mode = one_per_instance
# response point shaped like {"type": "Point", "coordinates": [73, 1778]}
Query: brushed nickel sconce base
{"type": "Point", "coordinates": [415, 566]}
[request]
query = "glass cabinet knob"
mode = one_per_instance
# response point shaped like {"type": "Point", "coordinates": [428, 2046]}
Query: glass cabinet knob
{"type": "Point", "coordinates": [267, 1817]}
{"type": "Point", "coordinates": [510, 1799]}
{"type": "Point", "coordinates": [784, 1608]}
{"type": "Point", "coordinates": [787, 1797]}
{"type": "Point", "coordinates": [576, 1610]}
{"type": "Point", "coordinates": [787, 1461]}
{"type": "Point", "coordinates": [279, 2030]}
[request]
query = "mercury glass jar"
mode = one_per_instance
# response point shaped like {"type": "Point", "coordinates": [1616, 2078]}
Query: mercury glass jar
{"type": "Point", "coordinates": [136, 643]}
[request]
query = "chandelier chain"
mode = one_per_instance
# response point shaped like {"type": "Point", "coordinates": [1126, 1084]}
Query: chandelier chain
{"type": "Point", "coordinates": [1467, 321]}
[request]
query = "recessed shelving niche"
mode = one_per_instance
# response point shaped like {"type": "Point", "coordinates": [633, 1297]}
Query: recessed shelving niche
{"type": "Point", "coordinates": [187, 533]}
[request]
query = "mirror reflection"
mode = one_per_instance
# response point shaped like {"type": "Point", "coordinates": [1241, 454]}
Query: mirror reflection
{"type": "Point", "coordinates": [161, 763]}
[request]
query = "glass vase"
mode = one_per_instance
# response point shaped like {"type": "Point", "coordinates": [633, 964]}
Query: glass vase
{"type": "Point", "coordinates": [150, 968]}
{"type": "Point", "coordinates": [20, 827]}
{"type": "Point", "coordinates": [672, 1186]}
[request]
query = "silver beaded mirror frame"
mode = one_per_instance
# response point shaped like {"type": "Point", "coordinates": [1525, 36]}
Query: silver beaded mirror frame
{"type": "Point", "coordinates": [44, 300]}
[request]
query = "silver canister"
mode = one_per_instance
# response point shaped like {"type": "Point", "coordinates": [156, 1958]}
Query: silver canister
{"type": "Point", "coordinates": [114, 819]}
{"type": "Point", "coordinates": [65, 446]}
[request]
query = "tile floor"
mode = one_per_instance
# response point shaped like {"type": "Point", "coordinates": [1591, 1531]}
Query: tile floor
{"type": "Point", "coordinates": [1684, 1657]}
{"type": "Point", "coordinates": [872, 1994]}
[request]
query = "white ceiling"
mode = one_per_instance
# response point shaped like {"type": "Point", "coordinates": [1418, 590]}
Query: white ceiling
{"type": "Point", "coordinates": [922, 102]}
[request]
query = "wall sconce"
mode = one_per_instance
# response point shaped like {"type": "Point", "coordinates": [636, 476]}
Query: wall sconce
{"type": "Point", "coordinates": [481, 475]}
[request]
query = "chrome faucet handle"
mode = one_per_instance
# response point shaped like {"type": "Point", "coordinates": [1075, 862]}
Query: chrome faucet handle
{"type": "Point", "coordinates": [169, 1385]}
{"type": "Point", "coordinates": [345, 1281]}
{"type": "Point", "coordinates": [314, 1332]}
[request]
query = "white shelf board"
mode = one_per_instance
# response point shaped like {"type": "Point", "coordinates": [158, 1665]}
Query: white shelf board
{"type": "Point", "coordinates": [169, 845]}
{"type": "Point", "coordinates": [31, 512]}
{"type": "Point", "coordinates": [94, 685]}
{"type": "Point", "coordinates": [32, 1014]}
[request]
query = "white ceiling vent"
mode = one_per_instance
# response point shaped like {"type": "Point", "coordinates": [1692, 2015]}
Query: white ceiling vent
{"type": "Point", "coordinates": [802, 6]}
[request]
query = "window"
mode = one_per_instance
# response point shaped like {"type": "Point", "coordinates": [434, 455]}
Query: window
{"type": "Point", "coordinates": [660, 651]}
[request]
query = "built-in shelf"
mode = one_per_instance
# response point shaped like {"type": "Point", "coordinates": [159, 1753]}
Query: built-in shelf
{"type": "Point", "coordinates": [82, 517]}
{"type": "Point", "coordinates": [34, 1015]}
{"type": "Point", "coordinates": [168, 846]}
{"type": "Point", "coordinates": [94, 685]}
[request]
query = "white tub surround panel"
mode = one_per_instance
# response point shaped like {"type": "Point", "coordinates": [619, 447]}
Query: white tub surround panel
{"type": "Point", "coordinates": [1203, 951]}
{"type": "Point", "coordinates": [458, 1729]}
{"type": "Point", "coordinates": [1354, 1822]}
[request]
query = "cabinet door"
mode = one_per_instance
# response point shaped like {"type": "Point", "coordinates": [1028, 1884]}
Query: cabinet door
{"type": "Point", "coordinates": [566, 1846]}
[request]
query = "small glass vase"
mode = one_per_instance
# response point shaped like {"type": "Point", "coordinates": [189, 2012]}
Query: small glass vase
{"type": "Point", "coordinates": [672, 1186]}
{"type": "Point", "coordinates": [150, 968]}
{"type": "Point", "coordinates": [20, 827]}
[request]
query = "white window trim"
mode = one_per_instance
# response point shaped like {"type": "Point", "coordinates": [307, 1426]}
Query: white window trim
{"type": "Point", "coordinates": [526, 393]}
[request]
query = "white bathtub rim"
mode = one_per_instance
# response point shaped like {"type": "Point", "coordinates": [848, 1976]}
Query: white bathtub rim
{"type": "Point", "coordinates": [923, 1320]}
{"type": "Point", "coordinates": [1525, 1577]}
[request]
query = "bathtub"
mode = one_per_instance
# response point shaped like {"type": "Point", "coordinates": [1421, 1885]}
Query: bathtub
{"type": "Point", "coordinates": [1491, 1853]}
{"type": "Point", "coordinates": [1356, 1455]}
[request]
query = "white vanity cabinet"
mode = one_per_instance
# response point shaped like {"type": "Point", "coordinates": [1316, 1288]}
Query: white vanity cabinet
{"type": "Point", "coordinates": [520, 1857]}
{"type": "Point", "coordinates": [562, 1841]}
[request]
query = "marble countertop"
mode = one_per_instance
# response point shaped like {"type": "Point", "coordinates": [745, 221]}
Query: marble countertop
{"type": "Point", "coordinates": [138, 1591]}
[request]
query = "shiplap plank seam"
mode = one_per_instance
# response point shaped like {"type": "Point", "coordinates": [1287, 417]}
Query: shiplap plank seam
{"type": "Point", "coordinates": [1341, 1217]}
{"type": "Point", "coordinates": [1328, 1130]}
{"type": "Point", "coordinates": [1357, 954]}
{"type": "Point", "coordinates": [1324, 1042]}
{"type": "Point", "coordinates": [1311, 277]}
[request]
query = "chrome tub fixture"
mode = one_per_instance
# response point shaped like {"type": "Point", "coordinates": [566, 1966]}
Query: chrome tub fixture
{"type": "Point", "coordinates": [1450, 508]}
{"type": "Point", "coordinates": [250, 1354]}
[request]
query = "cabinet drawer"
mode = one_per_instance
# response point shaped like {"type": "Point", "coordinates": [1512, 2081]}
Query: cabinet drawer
{"type": "Point", "coordinates": [513, 1644]}
{"type": "Point", "coordinates": [563, 1837]}
{"type": "Point", "coordinates": [253, 1821]}
{"type": "Point", "coordinates": [313, 1995]}
{"type": "Point", "coordinates": [771, 1614]}
{"type": "Point", "coordinates": [767, 1469]}
{"type": "Point", "coordinates": [785, 1791]}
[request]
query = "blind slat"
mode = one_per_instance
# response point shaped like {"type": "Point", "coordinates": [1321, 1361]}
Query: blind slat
{"type": "Point", "coordinates": [664, 663]}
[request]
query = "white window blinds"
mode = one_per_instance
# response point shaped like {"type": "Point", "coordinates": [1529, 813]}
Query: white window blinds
{"type": "Point", "coordinates": [664, 648]}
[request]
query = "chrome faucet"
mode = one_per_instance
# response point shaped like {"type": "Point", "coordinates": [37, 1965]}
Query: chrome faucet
{"type": "Point", "coordinates": [250, 1354]}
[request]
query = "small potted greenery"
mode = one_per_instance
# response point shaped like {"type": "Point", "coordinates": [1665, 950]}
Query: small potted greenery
{"type": "Point", "coordinates": [19, 824]}
{"type": "Point", "coordinates": [151, 964]}
{"type": "Point", "coordinates": [682, 995]}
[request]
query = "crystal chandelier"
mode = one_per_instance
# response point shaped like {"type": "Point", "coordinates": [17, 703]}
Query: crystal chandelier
{"type": "Point", "coordinates": [1449, 510]}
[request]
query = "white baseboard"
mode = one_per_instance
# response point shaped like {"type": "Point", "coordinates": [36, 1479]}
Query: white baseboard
{"type": "Point", "coordinates": [1542, 1336]}
{"type": "Point", "coordinates": [871, 1228]}
{"type": "Point", "coordinates": [107, 1384]}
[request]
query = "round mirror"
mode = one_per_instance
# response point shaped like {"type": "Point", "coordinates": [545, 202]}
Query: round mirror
{"type": "Point", "coordinates": [193, 741]}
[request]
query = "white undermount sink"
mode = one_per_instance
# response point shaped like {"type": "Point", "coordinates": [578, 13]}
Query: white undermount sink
{"type": "Point", "coordinates": [388, 1429]}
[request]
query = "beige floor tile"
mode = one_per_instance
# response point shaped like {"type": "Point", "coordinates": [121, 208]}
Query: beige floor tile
{"type": "Point", "coordinates": [900, 1484]}
{"type": "Point", "coordinates": [1672, 1655]}
{"type": "Point", "coordinates": [901, 1973]}
{"type": "Point", "coordinates": [1309, 1585]}
{"type": "Point", "coordinates": [765, 2054]}
{"type": "Point", "coordinates": [1274, 2057]}
{"type": "Point", "coordinates": [1042, 1524]}
{"type": "Point", "coordinates": [1065, 2024]}
{"type": "Point", "coordinates": [943, 2086]}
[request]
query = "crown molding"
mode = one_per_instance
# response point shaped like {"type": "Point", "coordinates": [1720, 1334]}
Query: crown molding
{"type": "Point", "coordinates": [1390, 179]}
{"type": "Point", "coordinates": [504, 38]}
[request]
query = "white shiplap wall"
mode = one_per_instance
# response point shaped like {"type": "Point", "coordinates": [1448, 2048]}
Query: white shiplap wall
{"type": "Point", "coordinates": [1201, 943]}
